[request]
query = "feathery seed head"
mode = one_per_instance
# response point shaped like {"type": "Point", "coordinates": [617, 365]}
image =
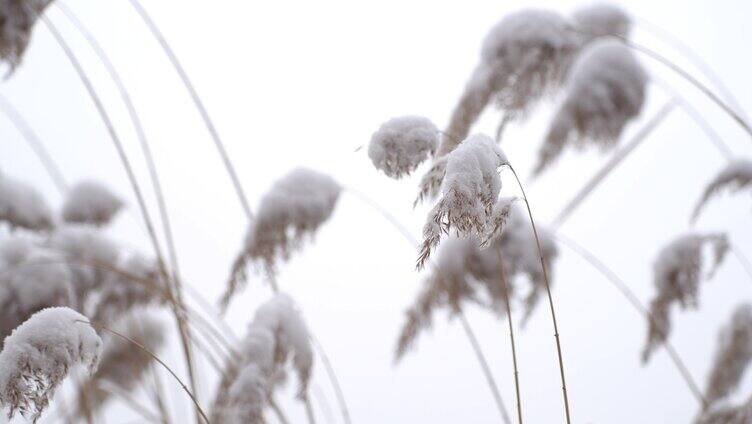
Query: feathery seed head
{"type": "Point", "coordinates": [732, 357]}
{"type": "Point", "coordinates": [91, 203]}
{"type": "Point", "coordinates": [599, 20]}
{"type": "Point", "coordinates": [17, 19]}
{"type": "Point", "coordinates": [22, 206]}
{"type": "Point", "coordinates": [403, 143]}
{"type": "Point", "coordinates": [734, 177]}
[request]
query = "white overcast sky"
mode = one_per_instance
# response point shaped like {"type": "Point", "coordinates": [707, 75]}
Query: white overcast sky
{"type": "Point", "coordinates": [293, 83]}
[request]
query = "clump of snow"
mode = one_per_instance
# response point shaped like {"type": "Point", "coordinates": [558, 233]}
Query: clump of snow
{"type": "Point", "coordinates": [38, 355]}
{"type": "Point", "coordinates": [736, 176]}
{"type": "Point", "coordinates": [606, 90]}
{"type": "Point", "coordinates": [470, 189]}
{"type": "Point", "coordinates": [89, 202]}
{"type": "Point", "coordinates": [600, 20]}
{"type": "Point", "coordinates": [677, 274]}
{"type": "Point", "coordinates": [17, 19]}
{"type": "Point", "coordinates": [403, 143]}
{"type": "Point", "coordinates": [22, 206]}
{"type": "Point", "coordinates": [290, 212]}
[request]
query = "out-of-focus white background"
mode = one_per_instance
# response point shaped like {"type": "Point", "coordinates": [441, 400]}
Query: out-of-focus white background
{"type": "Point", "coordinates": [305, 83]}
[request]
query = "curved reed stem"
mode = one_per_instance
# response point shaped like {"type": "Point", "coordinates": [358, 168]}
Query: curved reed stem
{"type": "Point", "coordinates": [174, 300]}
{"type": "Point", "coordinates": [27, 132]}
{"type": "Point", "coordinates": [333, 379]}
{"type": "Point", "coordinates": [466, 327]}
{"type": "Point", "coordinates": [614, 161]}
{"type": "Point", "coordinates": [484, 365]}
{"type": "Point", "coordinates": [198, 103]}
{"type": "Point", "coordinates": [633, 300]}
{"type": "Point", "coordinates": [309, 410]}
{"type": "Point", "coordinates": [140, 133]}
{"type": "Point", "coordinates": [278, 411]}
{"type": "Point", "coordinates": [505, 282]}
{"type": "Point", "coordinates": [550, 298]}
{"type": "Point", "coordinates": [156, 358]}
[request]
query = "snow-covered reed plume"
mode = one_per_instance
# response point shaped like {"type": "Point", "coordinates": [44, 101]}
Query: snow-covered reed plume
{"type": "Point", "coordinates": [89, 202]}
{"type": "Point", "coordinates": [90, 257]}
{"type": "Point", "coordinates": [462, 273]}
{"type": "Point", "coordinates": [430, 183]}
{"type": "Point", "coordinates": [520, 255]}
{"type": "Point", "coordinates": [677, 274]}
{"type": "Point", "coordinates": [122, 365]}
{"type": "Point", "coordinates": [31, 279]}
{"type": "Point", "coordinates": [21, 206]}
{"type": "Point", "coordinates": [293, 210]}
{"type": "Point", "coordinates": [403, 143]}
{"type": "Point", "coordinates": [599, 20]}
{"type": "Point", "coordinates": [606, 90]}
{"type": "Point", "coordinates": [470, 191]}
{"type": "Point", "coordinates": [17, 19]}
{"type": "Point", "coordinates": [38, 355]}
{"type": "Point", "coordinates": [736, 176]}
{"type": "Point", "coordinates": [732, 357]}
{"type": "Point", "coordinates": [524, 57]}
{"type": "Point", "coordinates": [138, 285]}
{"type": "Point", "coordinates": [276, 337]}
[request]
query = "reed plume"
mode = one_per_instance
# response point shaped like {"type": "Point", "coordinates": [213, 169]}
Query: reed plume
{"type": "Point", "coordinates": [732, 357]}
{"type": "Point", "coordinates": [292, 211]}
{"type": "Point", "coordinates": [121, 292]}
{"type": "Point", "coordinates": [90, 202]}
{"type": "Point", "coordinates": [605, 91]}
{"type": "Point", "coordinates": [737, 175]}
{"type": "Point", "coordinates": [677, 273]}
{"type": "Point", "coordinates": [401, 144]}
{"type": "Point", "coordinates": [17, 19]}
{"type": "Point", "coordinates": [600, 20]}
{"type": "Point", "coordinates": [22, 206]}
{"type": "Point", "coordinates": [38, 355]}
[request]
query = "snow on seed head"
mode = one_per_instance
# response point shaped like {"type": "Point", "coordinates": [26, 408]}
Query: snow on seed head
{"type": "Point", "coordinates": [403, 143]}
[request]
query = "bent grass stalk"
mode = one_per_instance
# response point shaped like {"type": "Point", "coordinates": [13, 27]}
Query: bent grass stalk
{"type": "Point", "coordinates": [174, 300]}
{"type": "Point", "coordinates": [550, 298]}
{"type": "Point", "coordinates": [156, 358]}
{"type": "Point", "coordinates": [505, 282]}
{"type": "Point", "coordinates": [465, 325]}
{"type": "Point", "coordinates": [154, 29]}
{"type": "Point", "coordinates": [28, 133]}
{"type": "Point", "coordinates": [633, 300]}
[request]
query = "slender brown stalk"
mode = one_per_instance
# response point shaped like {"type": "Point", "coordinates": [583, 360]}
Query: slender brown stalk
{"type": "Point", "coordinates": [550, 298]}
{"type": "Point", "coordinates": [199, 104]}
{"type": "Point", "coordinates": [633, 300]}
{"type": "Point", "coordinates": [465, 325]}
{"type": "Point", "coordinates": [27, 132]}
{"type": "Point", "coordinates": [484, 365]}
{"type": "Point", "coordinates": [505, 282]}
{"type": "Point", "coordinates": [174, 300]}
{"type": "Point", "coordinates": [156, 358]}
{"type": "Point", "coordinates": [614, 161]}
{"type": "Point", "coordinates": [140, 134]}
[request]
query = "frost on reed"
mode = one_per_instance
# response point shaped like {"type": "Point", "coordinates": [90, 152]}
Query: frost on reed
{"type": "Point", "coordinates": [600, 20]}
{"type": "Point", "coordinates": [276, 336]}
{"type": "Point", "coordinates": [606, 90]}
{"type": "Point", "coordinates": [677, 274]}
{"type": "Point", "coordinates": [31, 279]}
{"type": "Point", "coordinates": [461, 273]}
{"type": "Point", "coordinates": [21, 206]}
{"type": "Point", "coordinates": [732, 357]}
{"type": "Point", "coordinates": [523, 58]}
{"type": "Point", "coordinates": [17, 19]}
{"type": "Point", "coordinates": [469, 190]}
{"type": "Point", "coordinates": [89, 256]}
{"type": "Point", "coordinates": [403, 143]}
{"type": "Point", "coordinates": [37, 356]}
{"type": "Point", "coordinates": [290, 212]}
{"type": "Point", "coordinates": [122, 365]}
{"type": "Point", "coordinates": [734, 177]}
{"type": "Point", "coordinates": [90, 203]}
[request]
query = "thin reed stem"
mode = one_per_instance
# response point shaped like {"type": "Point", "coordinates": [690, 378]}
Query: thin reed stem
{"type": "Point", "coordinates": [309, 410]}
{"type": "Point", "coordinates": [333, 379]}
{"type": "Point", "coordinates": [278, 411]}
{"type": "Point", "coordinates": [465, 325]}
{"type": "Point", "coordinates": [484, 365]}
{"type": "Point", "coordinates": [550, 297]}
{"type": "Point", "coordinates": [743, 260]}
{"type": "Point", "coordinates": [156, 358]}
{"type": "Point", "coordinates": [633, 300]}
{"type": "Point", "coordinates": [614, 161]}
{"type": "Point", "coordinates": [688, 77]}
{"type": "Point", "coordinates": [174, 300]}
{"type": "Point", "coordinates": [198, 103]}
{"type": "Point", "coordinates": [28, 133]}
{"type": "Point", "coordinates": [505, 282]}
{"type": "Point", "coordinates": [129, 401]}
{"type": "Point", "coordinates": [140, 134]}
